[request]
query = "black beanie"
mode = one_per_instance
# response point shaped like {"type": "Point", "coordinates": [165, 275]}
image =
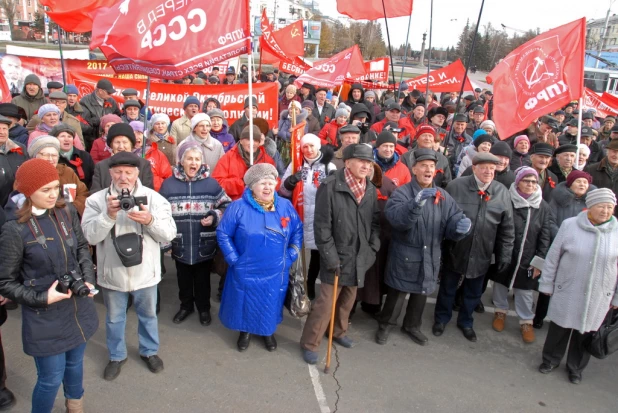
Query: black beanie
{"type": "Point", "coordinates": [385, 137]}
{"type": "Point", "coordinates": [120, 129]}
{"type": "Point", "coordinates": [482, 138]}
{"type": "Point", "coordinates": [501, 149]}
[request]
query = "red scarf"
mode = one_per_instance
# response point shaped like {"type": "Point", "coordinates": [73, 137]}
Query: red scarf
{"type": "Point", "coordinates": [77, 163]}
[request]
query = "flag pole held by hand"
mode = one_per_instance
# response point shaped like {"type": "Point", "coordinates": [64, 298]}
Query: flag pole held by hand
{"type": "Point", "coordinates": [332, 323]}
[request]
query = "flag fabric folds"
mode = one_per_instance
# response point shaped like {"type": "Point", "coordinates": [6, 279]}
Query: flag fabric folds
{"type": "Point", "coordinates": [538, 77]}
{"type": "Point", "coordinates": [374, 9]}
{"type": "Point", "coordinates": [332, 72]}
{"type": "Point", "coordinates": [74, 16]}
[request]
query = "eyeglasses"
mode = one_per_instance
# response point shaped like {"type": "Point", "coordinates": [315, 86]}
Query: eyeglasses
{"type": "Point", "coordinates": [50, 156]}
{"type": "Point", "coordinates": [530, 181]}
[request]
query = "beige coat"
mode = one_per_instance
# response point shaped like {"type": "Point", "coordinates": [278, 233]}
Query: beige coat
{"type": "Point", "coordinates": [181, 128]}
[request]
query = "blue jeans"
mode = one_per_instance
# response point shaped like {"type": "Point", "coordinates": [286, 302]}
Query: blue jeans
{"type": "Point", "coordinates": [472, 289]}
{"type": "Point", "coordinates": [66, 369]}
{"type": "Point", "coordinates": [144, 302]}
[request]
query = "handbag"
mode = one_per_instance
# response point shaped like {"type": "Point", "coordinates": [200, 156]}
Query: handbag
{"type": "Point", "coordinates": [129, 247]}
{"type": "Point", "coordinates": [296, 300]}
{"type": "Point", "coordinates": [604, 342]}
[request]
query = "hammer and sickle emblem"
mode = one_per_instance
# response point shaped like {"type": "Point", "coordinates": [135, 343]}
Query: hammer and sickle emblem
{"type": "Point", "coordinates": [295, 32]}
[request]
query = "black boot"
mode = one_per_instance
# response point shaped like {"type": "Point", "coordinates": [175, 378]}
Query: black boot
{"type": "Point", "coordinates": [7, 399]}
{"type": "Point", "coordinates": [382, 333]}
{"type": "Point", "coordinates": [270, 343]}
{"type": "Point", "coordinates": [244, 339]}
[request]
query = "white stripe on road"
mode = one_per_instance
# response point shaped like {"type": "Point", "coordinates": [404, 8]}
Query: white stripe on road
{"type": "Point", "coordinates": [314, 373]}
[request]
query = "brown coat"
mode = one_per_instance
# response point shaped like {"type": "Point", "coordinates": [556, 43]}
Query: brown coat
{"type": "Point", "coordinates": [67, 176]}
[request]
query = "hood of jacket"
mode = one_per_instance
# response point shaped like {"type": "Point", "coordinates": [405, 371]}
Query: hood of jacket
{"type": "Point", "coordinates": [356, 86]}
{"type": "Point", "coordinates": [361, 107]}
{"type": "Point", "coordinates": [301, 117]}
{"type": "Point", "coordinates": [563, 195]}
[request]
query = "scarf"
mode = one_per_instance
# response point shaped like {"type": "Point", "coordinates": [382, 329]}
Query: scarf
{"type": "Point", "coordinates": [138, 151]}
{"type": "Point", "coordinates": [67, 155]}
{"type": "Point", "coordinates": [611, 172]}
{"type": "Point", "coordinates": [3, 148]}
{"type": "Point", "coordinates": [43, 127]}
{"type": "Point", "coordinates": [385, 164]}
{"type": "Point", "coordinates": [481, 185]}
{"type": "Point", "coordinates": [268, 206]}
{"type": "Point", "coordinates": [533, 201]}
{"type": "Point", "coordinates": [156, 137]}
{"type": "Point", "coordinates": [245, 156]}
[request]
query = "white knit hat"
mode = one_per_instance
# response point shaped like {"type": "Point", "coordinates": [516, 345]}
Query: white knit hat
{"type": "Point", "coordinates": [312, 139]}
{"type": "Point", "coordinates": [200, 117]}
{"type": "Point", "coordinates": [296, 104]}
{"type": "Point", "coordinates": [159, 117]}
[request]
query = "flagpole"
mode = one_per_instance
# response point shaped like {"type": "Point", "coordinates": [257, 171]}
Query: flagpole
{"type": "Point", "coordinates": [390, 48]}
{"type": "Point", "coordinates": [579, 132]}
{"type": "Point", "coordinates": [145, 137]}
{"type": "Point", "coordinates": [250, 82]}
{"type": "Point", "coordinates": [429, 55]}
{"type": "Point", "coordinates": [463, 83]}
{"type": "Point", "coordinates": [405, 55]}
{"type": "Point", "coordinates": [64, 77]}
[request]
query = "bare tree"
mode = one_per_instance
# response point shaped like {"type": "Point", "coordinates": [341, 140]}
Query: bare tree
{"type": "Point", "coordinates": [10, 10]}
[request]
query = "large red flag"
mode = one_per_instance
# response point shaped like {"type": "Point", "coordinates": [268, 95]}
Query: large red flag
{"type": "Point", "coordinates": [610, 99]}
{"type": "Point", "coordinates": [173, 39]}
{"type": "Point", "coordinates": [444, 79]}
{"type": "Point", "coordinates": [74, 16]}
{"type": "Point", "coordinates": [291, 39]}
{"type": "Point", "coordinates": [539, 77]}
{"type": "Point", "coordinates": [332, 72]}
{"type": "Point", "coordinates": [374, 9]}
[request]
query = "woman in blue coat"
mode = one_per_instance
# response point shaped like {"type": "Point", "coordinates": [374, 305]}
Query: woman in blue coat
{"type": "Point", "coordinates": [260, 236]}
{"type": "Point", "coordinates": [197, 204]}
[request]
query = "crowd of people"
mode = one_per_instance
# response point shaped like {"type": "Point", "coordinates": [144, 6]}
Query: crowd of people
{"type": "Point", "coordinates": [401, 193]}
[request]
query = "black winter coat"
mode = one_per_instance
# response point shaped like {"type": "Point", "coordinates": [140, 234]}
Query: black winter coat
{"type": "Point", "coordinates": [102, 179]}
{"type": "Point", "coordinates": [548, 184]}
{"type": "Point", "coordinates": [27, 270]}
{"type": "Point", "coordinates": [347, 234]}
{"type": "Point", "coordinates": [564, 204]}
{"type": "Point", "coordinates": [85, 162]}
{"type": "Point", "coordinates": [9, 162]}
{"type": "Point", "coordinates": [417, 233]}
{"type": "Point", "coordinates": [237, 127]}
{"type": "Point", "coordinates": [492, 228]}
{"type": "Point", "coordinates": [93, 112]}
{"type": "Point", "coordinates": [328, 114]}
{"type": "Point", "coordinates": [601, 179]}
{"type": "Point", "coordinates": [19, 134]}
{"type": "Point", "coordinates": [519, 159]}
{"type": "Point", "coordinates": [535, 240]}
{"type": "Point", "coordinates": [443, 168]}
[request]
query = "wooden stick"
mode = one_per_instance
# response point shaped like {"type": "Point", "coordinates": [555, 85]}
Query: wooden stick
{"type": "Point", "coordinates": [332, 323]}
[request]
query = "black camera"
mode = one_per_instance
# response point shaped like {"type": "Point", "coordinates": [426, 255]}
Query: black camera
{"type": "Point", "coordinates": [128, 201]}
{"type": "Point", "coordinates": [72, 281]}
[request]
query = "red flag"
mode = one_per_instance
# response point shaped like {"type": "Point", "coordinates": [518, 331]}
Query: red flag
{"type": "Point", "coordinates": [5, 90]}
{"type": "Point", "coordinates": [539, 77]}
{"type": "Point", "coordinates": [594, 101]}
{"type": "Point", "coordinates": [74, 17]}
{"type": "Point", "coordinates": [610, 99]}
{"type": "Point", "coordinates": [173, 39]}
{"type": "Point", "coordinates": [374, 9]}
{"type": "Point", "coordinates": [376, 70]}
{"type": "Point", "coordinates": [333, 72]}
{"type": "Point", "coordinates": [297, 133]}
{"type": "Point", "coordinates": [444, 79]}
{"type": "Point", "coordinates": [268, 39]}
{"type": "Point", "coordinates": [291, 39]}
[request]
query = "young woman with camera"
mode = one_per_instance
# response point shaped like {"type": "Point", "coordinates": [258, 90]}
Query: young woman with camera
{"type": "Point", "coordinates": [45, 265]}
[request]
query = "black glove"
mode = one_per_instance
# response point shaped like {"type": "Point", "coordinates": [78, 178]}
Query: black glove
{"type": "Point", "coordinates": [293, 180]}
{"type": "Point", "coordinates": [502, 266]}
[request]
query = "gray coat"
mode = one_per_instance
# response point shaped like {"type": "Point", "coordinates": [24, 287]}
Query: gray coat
{"type": "Point", "coordinates": [581, 273]}
{"type": "Point", "coordinates": [564, 204]}
{"type": "Point", "coordinates": [417, 233]}
{"type": "Point", "coordinates": [492, 233]}
{"type": "Point", "coordinates": [347, 234]}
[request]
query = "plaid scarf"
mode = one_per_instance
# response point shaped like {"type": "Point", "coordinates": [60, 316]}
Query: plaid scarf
{"type": "Point", "coordinates": [358, 188]}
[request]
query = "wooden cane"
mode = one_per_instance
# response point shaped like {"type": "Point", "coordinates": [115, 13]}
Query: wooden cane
{"type": "Point", "coordinates": [332, 323]}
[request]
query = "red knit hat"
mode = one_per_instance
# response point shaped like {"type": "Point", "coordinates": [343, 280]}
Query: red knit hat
{"type": "Point", "coordinates": [575, 174]}
{"type": "Point", "coordinates": [34, 174]}
{"type": "Point", "coordinates": [425, 129]}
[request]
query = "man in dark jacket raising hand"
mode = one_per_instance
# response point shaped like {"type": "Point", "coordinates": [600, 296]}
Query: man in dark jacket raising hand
{"type": "Point", "coordinates": [488, 205]}
{"type": "Point", "coordinates": [347, 234]}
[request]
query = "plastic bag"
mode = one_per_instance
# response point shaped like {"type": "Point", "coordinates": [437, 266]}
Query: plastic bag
{"type": "Point", "coordinates": [296, 300]}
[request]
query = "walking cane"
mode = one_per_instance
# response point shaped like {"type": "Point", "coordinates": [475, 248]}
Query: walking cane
{"type": "Point", "coordinates": [332, 323]}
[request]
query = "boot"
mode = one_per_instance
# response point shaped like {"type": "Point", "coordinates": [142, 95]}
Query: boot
{"type": "Point", "coordinates": [499, 320]}
{"type": "Point", "coordinates": [527, 333]}
{"type": "Point", "coordinates": [75, 405]}
{"type": "Point", "coordinates": [382, 333]}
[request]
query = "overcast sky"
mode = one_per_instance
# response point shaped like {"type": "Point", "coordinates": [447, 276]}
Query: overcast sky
{"type": "Point", "coordinates": [518, 14]}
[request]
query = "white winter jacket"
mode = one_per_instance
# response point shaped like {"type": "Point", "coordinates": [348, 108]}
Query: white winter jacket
{"type": "Point", "coordinates": [97, 225]}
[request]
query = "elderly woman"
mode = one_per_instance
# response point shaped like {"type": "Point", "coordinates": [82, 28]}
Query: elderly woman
{"type": "Point", "coordinates": [316, 167]}
{"type": "Point", "coordinates": [78, 160]}
{"type": "Point", "coordinates": [212, 149]}
{"type": "Point", "coordinates": [219, 129]}
{"type": "Point", "coordinates": [584, 154]}
{"type": "Point", "coordinates": [533, 223]}
{"type": "Point", "coordinates": [290, 95]}
{"type": "Point", "coordinates": [72, 189]}
{"type": "Point", "coordinates": [260, 236]}
{"type": "Point", "coordinates": [100, 149]}
{"type": "Point", "coordinates": [489, 127]}
{"type": "Point", "coordinates": [159, 134]}
{"type": "Point", "coordinates": [482, 143]}
{"type": "Point", "coordinates": [580, 275]}
{"type": "Point", "coordinates": [520, 156]}
{"type": "Point", "coordinates": [285, 120]}
{"type": "Point", "coordinates": [569, 198]}
{"type": "Point", "coordinates": [195, 245]}
{"type": "Point", "coordinates": [57, 321]}
{"type": "Point", "coordinates": [50, 117]}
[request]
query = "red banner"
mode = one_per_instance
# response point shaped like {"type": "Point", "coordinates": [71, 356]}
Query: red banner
{"type": "Point", "coordinates": [374, 9]}
{"type": "Point", "coordinates": [291, 39]}
{"type": "Point", "coordinates": [332, 72]}
{"type": "Point", "coordinates": [445, 79]}
{"type": "Point", "coordinates": [610, 100]}
{"type": "Point", "coordinates": [169, 97]}
{"type": "Point", "coordinates": [539, 77]}
{"type": "Point", "coordinates": [297, 132]}
{"type": "Point", "coordinates": [376, 70]}
{"type": "Point", "coordinates": [171, 39]}
{"type": "Point", "coordinates": [594, 101]}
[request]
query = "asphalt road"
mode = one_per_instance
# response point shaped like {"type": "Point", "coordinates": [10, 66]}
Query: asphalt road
{"type": "Point", "coordinates": [205, 373]}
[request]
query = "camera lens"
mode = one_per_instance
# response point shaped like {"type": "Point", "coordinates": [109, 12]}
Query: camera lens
{"type": "Point", "coordinates": [80, 289]}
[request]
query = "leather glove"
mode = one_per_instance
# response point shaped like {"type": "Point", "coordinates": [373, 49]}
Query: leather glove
{"type": "Point", "coordinates": [464, 225]}
{"type": "Point", "coordinates": [502, 266]}
{"type": "Point", "coordinates": [293, 180]}
{"type": "Point", "coordinates": [424, 195]}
